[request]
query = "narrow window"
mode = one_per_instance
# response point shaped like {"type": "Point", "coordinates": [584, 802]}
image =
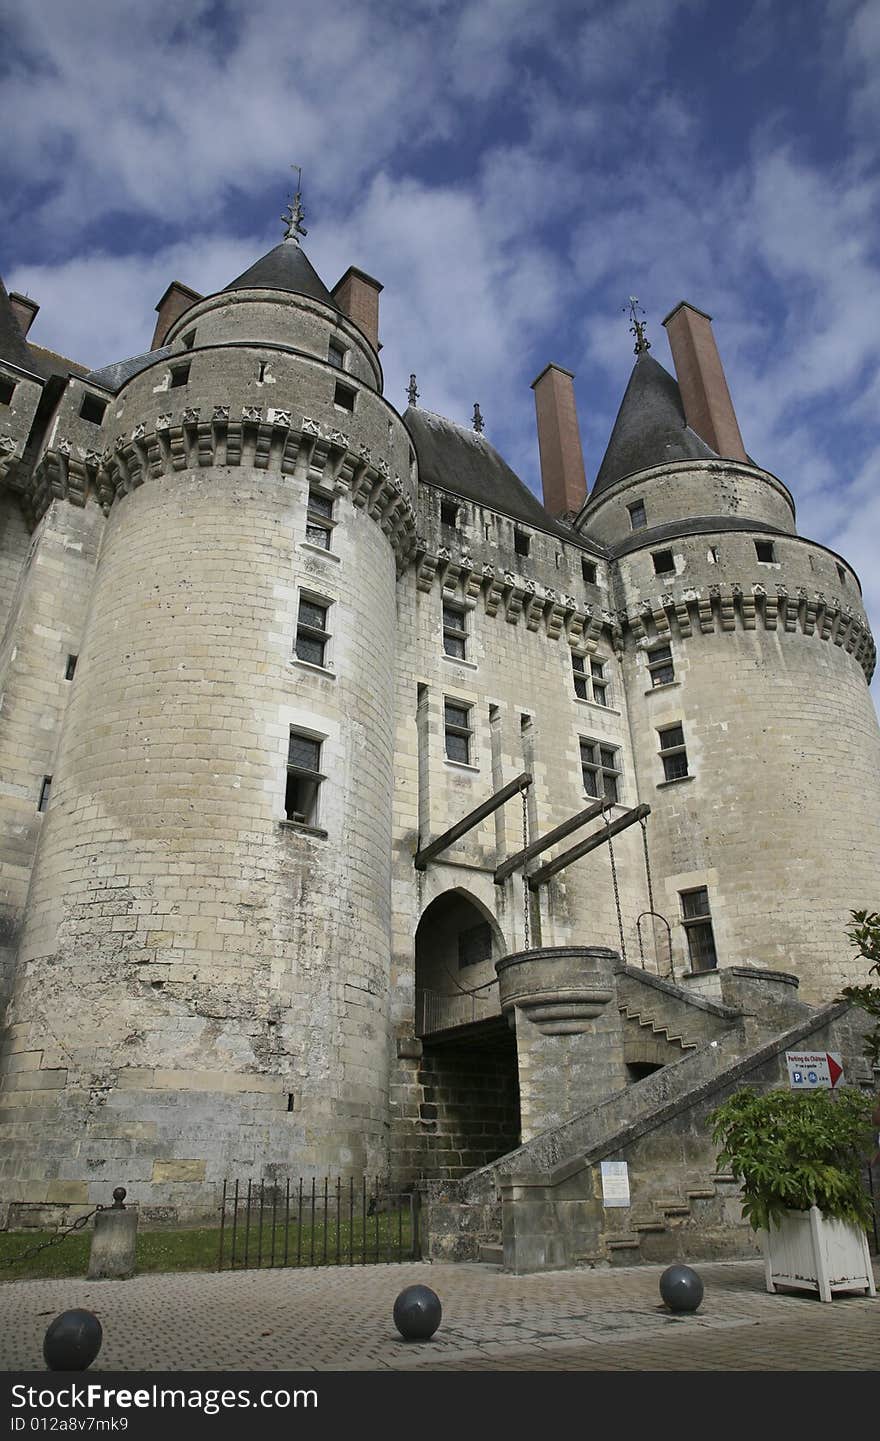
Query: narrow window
{"type": "Point", "coordinates": [474, 945]}
{"type": "Point", "coordinates": [45, 788]}
{"type": "Point", "coordinates": [343, 396]}
{"type": "Point", "coordinates": [304, 779]}
{"type": "Point", "coordinates": [7, 390]}
{"type": "Point", "coordinates": [697, 921]}
{"type": "Point", "coordinates": [319, 519]}
{"type": "Point", "coordinates": [261, 370]}
{"type": "Point", "coordinates": [660, 665]}
{"type": "Point", "coordinates": [188, 340]}
{"type": "Point", "coordinates": [454, 630]}
{"type": "Point", "coordinates": [712, 555]}
{"type": "Point", "coordinates": [673, 753]}
{"type": "Point", "coordinates": [600, 770]}
{"type": "Point", "coordinates": [581, 684]}
{"type": "Point", "coordinates": [588, 567]}
{"type": "Point", "coordinates": [638, 516]}
{"type": "Point", "coordinates": [521, 541]}
{"type": "Point", "coordinates": [312, 634]}
{"type": "Point", "coordinates": [71, 667]}
{"type": "Point", "coordinates": [663, 562]}
{"type": "Point", "coordinates": [92, 409]}
{"type": "Point", "coordinates": [600, 684]}
{"type": "Point", "coordinates": [841, 575]}
{"type": "Point", "coordinates": [448, 513]}
{"type": "Point", "coordinates": [179, 375]}
{"type": "Point", "coordinates": [457, 725]}
{"type": "Point", "coordinates": [336, 354]}
{"type": "Point", "coordinates": [764, 550]}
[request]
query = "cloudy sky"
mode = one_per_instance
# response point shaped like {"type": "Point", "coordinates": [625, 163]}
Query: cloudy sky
{"type": "Point", "coordinates": [511, 170]}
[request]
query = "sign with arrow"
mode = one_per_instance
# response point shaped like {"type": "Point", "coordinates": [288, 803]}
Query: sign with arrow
{"type": "Point", "coordinates": [813, 1070]}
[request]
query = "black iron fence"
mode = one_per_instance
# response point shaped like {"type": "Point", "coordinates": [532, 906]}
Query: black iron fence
{"type": "Point", "coordinates": [327, 1222]}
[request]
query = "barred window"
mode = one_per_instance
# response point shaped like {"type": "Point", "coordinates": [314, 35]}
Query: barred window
{"type": "Point", "coordinates": [660, 665]}
{"type": "Point", "coordinates": [312, 634]}
{"type": "Point", "coordinates": [475, 945]}
{"type": "Point", "coordinates": [590, 682]}
{"type": "Point", "coordinates": [600, 769]}
{"type": "Point", "coordinates": [638, 516]}
{"type": "Point", "coordinates": [454, 630]}
{"type": "Point", "coordinates": [319, 519]}
{"type": "Point", "coordinates": [458, 731]}
{"type": "Point", "coordinates": [304, 778]}
{"type": "Point", "coordinates": [697, 921]}
{"type": "Point", "coordinates": [673, 753]}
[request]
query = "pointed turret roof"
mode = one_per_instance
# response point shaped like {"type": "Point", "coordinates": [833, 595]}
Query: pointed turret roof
{"type": "Point", "coordinates": [13, 346]}
{"type": "Point", "coordinates": [650, 428]}
{"type": "Point", "coordinates": [285, 268]}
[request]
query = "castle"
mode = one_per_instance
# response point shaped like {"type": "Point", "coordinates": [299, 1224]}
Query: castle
{"type": "Point", "coordinates": [360, 812]}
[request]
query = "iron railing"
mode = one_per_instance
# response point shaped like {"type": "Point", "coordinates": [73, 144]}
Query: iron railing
{"type": "Point", "coordinates": [310, 1222]}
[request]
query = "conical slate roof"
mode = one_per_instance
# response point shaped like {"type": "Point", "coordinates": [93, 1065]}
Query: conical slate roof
{"type": "Point", "coordinates": [13, 346]}
{"type": "Point", "coordinates": [285, 268]}
{"type": "Point", "coordinates": [650, 428]}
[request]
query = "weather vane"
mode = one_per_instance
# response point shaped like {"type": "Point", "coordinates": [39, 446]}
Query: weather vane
{"type": "Point", "coordinates": [478, 420]}
{"type": "Point", "coordinates": [294, 214]}
{"type": "Point", "coordinates": [412, 393]}
{"type": "Point", "coordinates": [637, 327]}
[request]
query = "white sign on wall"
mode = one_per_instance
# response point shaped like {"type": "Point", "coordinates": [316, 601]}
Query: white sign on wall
{"type": "Point", "coordinates": [615, 1183]}
{"type": "Point", "coordinates": [813, 1070]}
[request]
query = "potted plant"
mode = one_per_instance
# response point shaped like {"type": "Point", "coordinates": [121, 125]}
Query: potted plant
{"type": "Point", "coordinates": [799, 1157]}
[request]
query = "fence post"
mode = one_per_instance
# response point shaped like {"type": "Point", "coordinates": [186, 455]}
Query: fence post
{"type": "Point", "coordinates": [114, 1241]}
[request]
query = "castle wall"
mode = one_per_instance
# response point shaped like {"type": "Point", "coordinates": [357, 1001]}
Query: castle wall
{"type": "Point", "coordinates": [15, 540]}
{"type": "Point", "coordinates": [688, 488]}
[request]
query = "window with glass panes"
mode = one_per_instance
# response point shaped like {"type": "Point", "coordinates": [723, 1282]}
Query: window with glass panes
{"type": "Point", "coordinates": [458, 730]}
{"type": "Point", "coordinates": [312, 634]}
{"type": "Point", "coordinates": [600, 769]}
{"type": "Point", "coordinates": [454, 630]}
{"type": "Point", "coordinates": [673, 753]}
{"type": "Point", "coordinates": [697, 921]}
{"type": "Point", "coordinates": [638, 517]}
{"type": "Point", "coordinates": [590, 682]}
{"type": "Point", "coordinates": [319, 519]}
{"type": "Point", "coordinates": [304, 778]}
{"type": "Point", "coordinates": [660, 665]}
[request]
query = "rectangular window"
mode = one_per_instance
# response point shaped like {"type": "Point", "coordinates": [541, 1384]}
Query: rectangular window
{"type": "Point", "coordinates": [663, 562]}
{"type": "Point", "coordinates": [581, 683]}
{"type": "Point", "coordinates": [458, 730]}
{"type": "Point", "coordinates": [521, 542]}
{"type": "Point", "coordinates": [590, 682]}
{"type": "Point", "coordinates": [673, 753]}
{"type": "Point", "coordinates": [71, 667]}
{"type": "Point", "coordinates": [343, 396]}
{"type": "Point", "coordinates": [764, 550]}
{"type": "Point", "coordinates": [448, 512]}
{"type": "Point", "coordinates": [319, 519]}
{"type": "Point", "coordinates": [304, 779]}
{"type": "Point", "coordinates": [92, 409]}
{"type": "Point", "coordinates": [588, 568]}
{"type": "Point", "coordinates": [179, 375]}
{"type": "Point", "coordinates": [454, 630]}
{"type": "Point", "coordinates": [600, 769]}
{"type": "Point", "coordinates": [312, 634]}
{"type": "Point", "coordinates": [336, 354]}
{"type": "Point", "coordinates": [45, 788]}
{"type": "Point", "coordinates": [697, 921]}
{"type": "Point", "coordinates": [7, 390]}
{"type": "Point", "coordinates": [474, 945]}
{"type": "Point", "coordinates": [660, 665]}
{"type": "Point", "coordinates": [638, 516]}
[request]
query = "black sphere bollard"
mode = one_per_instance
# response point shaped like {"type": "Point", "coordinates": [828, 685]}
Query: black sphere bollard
{"type": "Point", "coordinates": [417, 1313]}
{"type": "Point", "coordinates": [681, 1288]}
{"type": "Point", "coordinates": [72, 1341]}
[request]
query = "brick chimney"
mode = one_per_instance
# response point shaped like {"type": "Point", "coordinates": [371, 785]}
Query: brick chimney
{"type": "Point", "coordinates": [174, 302]}
{"type": "Point", "coordinates": [708, 407]}
{"type": "Point", "coordinates": [563, 479]}
{"type": "Point", "coordinates": [357, 295]}
{"type": "Point", "coordinates": [24, 309]}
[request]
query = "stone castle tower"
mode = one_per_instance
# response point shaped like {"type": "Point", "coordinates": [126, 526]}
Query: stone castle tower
{"type": "Point", "coordinates": [267, 640]}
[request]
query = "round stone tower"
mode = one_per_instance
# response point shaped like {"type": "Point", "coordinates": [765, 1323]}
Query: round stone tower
{"type": "Point", "coordinates": [206, 959]}
{"type": "Point", "coordinates": [747, 661]}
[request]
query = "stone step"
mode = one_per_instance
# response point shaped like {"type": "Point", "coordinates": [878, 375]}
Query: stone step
{"type": "Point", "coordinates": [644, 1227]}
{"type": "Point", "coordinates": [625, 1243]}
{"type": "Point", "coordinates": [492, 1255]}
{"type": "Point", "coordinates": [702, 1194]}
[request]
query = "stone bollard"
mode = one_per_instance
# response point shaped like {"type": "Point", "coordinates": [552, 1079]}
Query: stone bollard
{"type": "Point", "coordinates": [113, 1241]}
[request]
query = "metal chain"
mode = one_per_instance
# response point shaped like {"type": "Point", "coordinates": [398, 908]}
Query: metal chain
{"type": "Point", "coordinates": [53, 1240]}
{"type": "Point", "coordinates": [526, 896]}
{"type": "Point", "coordinates": [644, 825]}
{"type": "Point", "coordinates": [615, 885]}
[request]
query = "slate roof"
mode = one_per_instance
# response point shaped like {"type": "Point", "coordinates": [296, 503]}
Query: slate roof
{"type": "Point", "coordinates": [650, 428]}
{"type": "Point", "coordinates": [461, 461]}
{"type": "Point", "coordinates": [285, 268]}
{"type": "Point", "coordinates": [114, 376]}
{"type": "Point", "coordinates": [13, 346]}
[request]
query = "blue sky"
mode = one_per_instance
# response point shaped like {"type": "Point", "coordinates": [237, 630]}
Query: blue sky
{"type": "Point", "coordinates": [510, 170]}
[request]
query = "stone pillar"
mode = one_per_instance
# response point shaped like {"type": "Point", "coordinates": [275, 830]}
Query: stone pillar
{"type": "Point", "coordinates": [569, 1039]}
{"type": "Point", "coordinates": [114, 1241]}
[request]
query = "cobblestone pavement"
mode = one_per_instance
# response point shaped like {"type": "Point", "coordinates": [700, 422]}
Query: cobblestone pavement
{"type": "Point", "coordinates": [339, 1319]}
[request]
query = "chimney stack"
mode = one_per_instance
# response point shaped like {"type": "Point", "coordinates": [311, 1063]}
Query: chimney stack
{"type": "Point", "coordinates": [563, 479]}
{"type": "Point", "coordinates": [708, 408]}
{"type": "Point", "coordinates": [357, 295]}
{"type": "Point", "coordinates": [24, 309]}
{"type": "Point", "coordinates": [174, 302]}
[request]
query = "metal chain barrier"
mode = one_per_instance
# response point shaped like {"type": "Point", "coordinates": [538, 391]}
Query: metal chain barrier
{"type": "Point", "coordinates": [53, 1240]}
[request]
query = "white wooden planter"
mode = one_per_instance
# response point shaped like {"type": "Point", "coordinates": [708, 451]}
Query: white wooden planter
{"type": "Point", "coordinates": [808, 1252]}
